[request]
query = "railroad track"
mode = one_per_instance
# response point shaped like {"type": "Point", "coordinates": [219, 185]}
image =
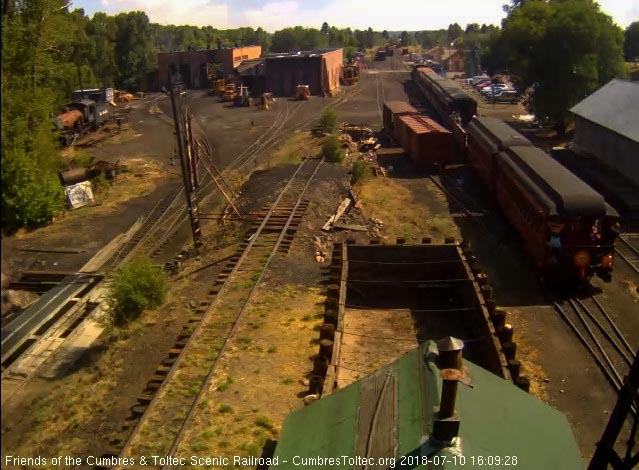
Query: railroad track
{"type": "Point", "coordinates": [627, 248]}
{"type": "Point", "coordinates": [381, 98]}
{"type": "Point", "coordinates": [278, 131]}
{"type": "Point", "coordinates": [167, 405]}
{"type": "Point", "coordinates": [605, 342]}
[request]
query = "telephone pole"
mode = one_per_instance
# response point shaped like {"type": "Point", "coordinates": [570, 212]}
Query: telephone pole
{"type": "Point", "coordinates": [187, 168]}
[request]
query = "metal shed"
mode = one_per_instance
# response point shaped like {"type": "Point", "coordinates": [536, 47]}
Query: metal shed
{"type": "Point", "coordinates": [391, 416]}
{"type": "Point", "coordinates": [607, 126]}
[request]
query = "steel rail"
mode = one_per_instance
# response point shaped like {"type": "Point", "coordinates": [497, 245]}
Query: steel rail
{"type": "Point", "coordinates": [178, 360]}
{"type": "Point", "coordinates": [240, 315]}
{"type": "Point", "coordinates": [633, 264]}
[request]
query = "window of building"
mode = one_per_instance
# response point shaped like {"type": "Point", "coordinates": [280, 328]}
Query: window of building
{"type": "Point", "coordinates": [245, 57]}
{"type": "Point", "coordinates": [237, 59]}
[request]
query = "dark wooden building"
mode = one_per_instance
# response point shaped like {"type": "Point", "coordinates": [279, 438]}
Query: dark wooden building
{"type": "Point", "coordinates": [320, 70]}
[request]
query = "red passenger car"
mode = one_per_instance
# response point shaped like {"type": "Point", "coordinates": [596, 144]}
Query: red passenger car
{"type": "Point", "coordinates": [568, 228]}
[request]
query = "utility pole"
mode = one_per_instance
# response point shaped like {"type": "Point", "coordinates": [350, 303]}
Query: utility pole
{"type": "Point", "coordinates": [186, 168]}
{"type": "Point", "coordinates": [627, 402]}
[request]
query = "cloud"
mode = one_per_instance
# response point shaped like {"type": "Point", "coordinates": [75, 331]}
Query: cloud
{"type": "Point", "coordinates": [192, 12]}
{"type": "Point", "coordinates": [272, 15]}
{"type": "Point", "coordinates": [361, 14]}
{"type": "Point", "coordinates": [623, 12]}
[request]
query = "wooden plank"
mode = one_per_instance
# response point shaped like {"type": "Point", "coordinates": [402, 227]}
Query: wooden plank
{"type": "Point", "coordinates": [335, 359]}
{"type": "Point", "coordinates": [354, 227]}
{"type": "Point", "coordinates": [334, 218]}
{"type": "Point", "coordinates": [376, 436]}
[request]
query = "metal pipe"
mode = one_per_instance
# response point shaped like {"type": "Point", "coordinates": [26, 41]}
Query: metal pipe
{"type": "Point", "coordinates": [449, 393]}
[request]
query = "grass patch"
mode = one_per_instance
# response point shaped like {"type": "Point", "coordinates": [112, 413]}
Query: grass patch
{"type": "Point", "coordinates": [264, 422]}
{"type": "Point", "coordinates": [225, 409]}
{"type": "Point", "coordinates": [398, 205]}
{"type": "Point", "coordinates": [271, 350]}
{"type": "Point", "coordinates": [288, 380]}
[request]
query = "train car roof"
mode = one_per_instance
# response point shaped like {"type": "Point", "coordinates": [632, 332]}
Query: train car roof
{"type": "Point", "coordinates": [570, 194]}
{"type": "Point", "coordinates": [399, 107]}
{"type": "Point", "coordinates": [449, 87]}
{"type": "Point", "coordinates": [497, 131]}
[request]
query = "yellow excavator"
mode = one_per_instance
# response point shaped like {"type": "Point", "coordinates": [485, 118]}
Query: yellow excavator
{"type": "Point", "coordinates": [218, 87]}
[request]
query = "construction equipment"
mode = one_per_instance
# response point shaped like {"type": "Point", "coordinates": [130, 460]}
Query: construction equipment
{"type": "Point", "coordinates": [217, 88]}
{"type": "Point", "coordinates": [243, 98]}
{"type": "Point", "coordinates": [265, 101]}
{"type": "Point", "coordinates": [124, 96]}
{"type": "Point", "coordinates": [229, 92]}
{"type": "Point", "coordinates": [303, 92]}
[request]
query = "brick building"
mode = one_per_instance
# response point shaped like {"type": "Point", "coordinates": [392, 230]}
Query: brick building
{"type": "Point", "coordinates": [194, 67]}
{"type": "Point", "coordinates": [321, 70]}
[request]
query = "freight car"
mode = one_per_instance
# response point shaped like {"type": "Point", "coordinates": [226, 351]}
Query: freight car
{"type": "Point", "coordinates": [80, 117]}
{"type": "Point", "coordinates": [450, 101]}
{"type": "Point", "coordinates": [380, 54]}
{"type": "Point", "coordinates": [567, 227]}
{"type": "Point", "coordinates": [453, 105]}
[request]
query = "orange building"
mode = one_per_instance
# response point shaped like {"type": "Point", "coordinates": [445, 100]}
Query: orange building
{"type": "Point", "coordinates": [195, 67]}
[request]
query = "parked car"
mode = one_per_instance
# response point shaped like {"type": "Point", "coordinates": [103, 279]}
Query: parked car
{"type": "Point", "coordinates": [478, 86]}
{"type": "Point", "coordinates": [478, 78]}
{"type": "Point", "coordinates": [493, 87]}
{"type": "Point", "coordinates": [506, 96]}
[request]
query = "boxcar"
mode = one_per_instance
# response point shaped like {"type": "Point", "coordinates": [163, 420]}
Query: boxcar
{"type": "Point", "coordinates": [392, 111]}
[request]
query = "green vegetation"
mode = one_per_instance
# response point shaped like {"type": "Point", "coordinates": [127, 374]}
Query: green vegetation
{"type": "Point", "coordinates": [631, 42]}
{"type": "Point", "coordinates": [264, 422]}
{"type": "Point", "coordinates": [332, 151]}
{"type": "Point", "coordinates": [225, 409]}
{"type": "Point", "coordinates": [328, 121]}
{"type": "Point", "coordinates": [561, 51]}
{"type": "Point", "coordinates": [360, 172]}
{"type": "Point", "coordinates": [139, 285]}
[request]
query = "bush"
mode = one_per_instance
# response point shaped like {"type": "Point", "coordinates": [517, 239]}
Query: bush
{"type": "Point", "coordinates": [139, 285]}
{"type": "Point", "coordinates": [328, 121]}
{"type": "Point", "coordinates": [331, 150]}
{"type": "Point", "coordinates": [360, 172]}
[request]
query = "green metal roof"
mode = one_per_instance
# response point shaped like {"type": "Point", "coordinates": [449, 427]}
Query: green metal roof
{"type": "Point", "coordinates": [389, 414]}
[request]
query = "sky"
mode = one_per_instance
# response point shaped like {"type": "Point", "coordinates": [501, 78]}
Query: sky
{"type": "Point", "coordinates": [271, 15]}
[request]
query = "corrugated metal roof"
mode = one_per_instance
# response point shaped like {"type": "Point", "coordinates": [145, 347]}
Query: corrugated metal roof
{"type": "Point", "coordinates": [421, 124]}
{"type": "Point", "coordinates": [399, 107]}
{"type": "Point", "coordinates": [614, 106]}
{"type": "Point", "coordinates": [248, 64]}
{"type": "Point", "coordinates": [497, 419]}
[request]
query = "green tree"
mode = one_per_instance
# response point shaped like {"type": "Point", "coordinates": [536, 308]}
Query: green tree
{"type": "Point", "coordinates": [325, 29]}
{"type": "Point", "coordinates": [135, 53]}
{"type": "Point", "coordinates": [404, 38]}
{"type": "Point", "coordinates": [385, 35]}
{"type": "Point", "coordinates": [631, 42]}
{"type": "Point", "coordinates": [360, 172]}
{"type": "Point", "coordinates": [40, 41]}
{"type": "Point", "coordinates": [331, 150]}
{"type": "Point", "coordinates": [563, 51]}
{"type": "Point", "coordinates": [454, 31]}
{"type": "Point", "coordinates": [138, 286]}
{"type": "Point", "coordinates": [328, 121]}
{"type": "Point", "coordinates": [102, 31]}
